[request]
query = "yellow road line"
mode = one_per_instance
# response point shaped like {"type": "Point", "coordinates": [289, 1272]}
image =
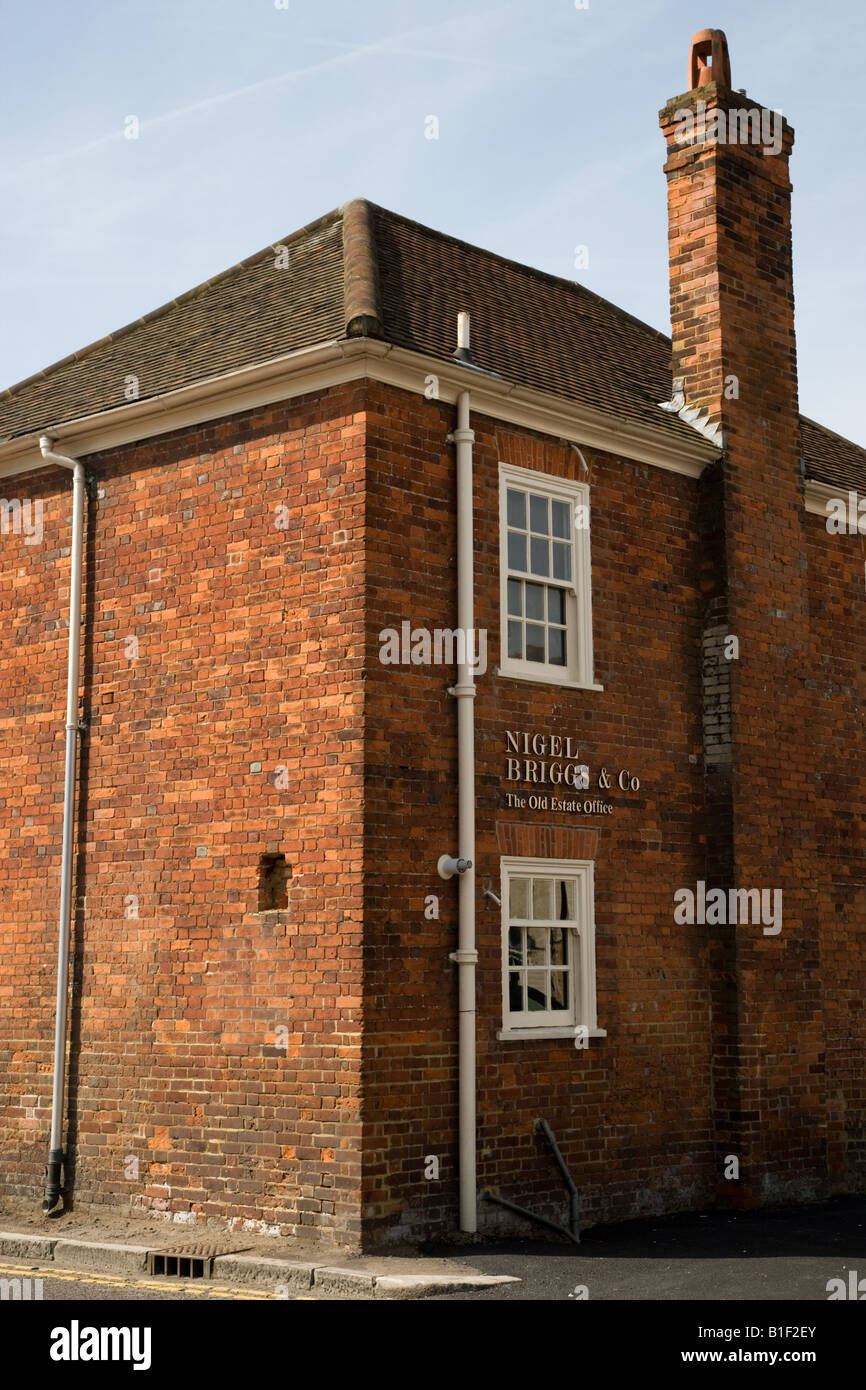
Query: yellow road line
{"type": "Point", "coordinates": [123, 1282]}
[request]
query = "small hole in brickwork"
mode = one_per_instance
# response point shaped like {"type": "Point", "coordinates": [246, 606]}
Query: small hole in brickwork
{"type": "Point", "coordinates": [273, 883]}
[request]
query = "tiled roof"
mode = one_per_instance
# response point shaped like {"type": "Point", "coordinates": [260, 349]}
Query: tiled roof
{"type": "Point", "coordinates": [362, 269]}
{"type": "Point", "coordinates": [530, 327]}
{"type": "Point", "coordinates": [830, 458]}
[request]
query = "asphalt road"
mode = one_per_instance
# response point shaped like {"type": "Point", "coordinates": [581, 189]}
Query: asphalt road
{"type": "Point", "coordinates": [770, 1255]}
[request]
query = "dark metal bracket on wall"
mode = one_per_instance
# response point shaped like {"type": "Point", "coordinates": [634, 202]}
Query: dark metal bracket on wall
{"type": "Point", "coordinates": [572, 1231]}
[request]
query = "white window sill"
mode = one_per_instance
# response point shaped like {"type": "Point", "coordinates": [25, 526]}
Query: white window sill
{"type": "Point", "coordinates": [540, 678]}
{"type": "Point", "coordinates": [510, 1034]}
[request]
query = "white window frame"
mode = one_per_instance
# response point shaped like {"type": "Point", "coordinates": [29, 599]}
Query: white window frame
{"type": "Point", "coordinates": [578, 673]}
{"type": "Point", "coordinates": [583, 1013]}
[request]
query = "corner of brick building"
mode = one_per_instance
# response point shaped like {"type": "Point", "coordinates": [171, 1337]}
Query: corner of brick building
{"type": "Point", "coordinates": [734, 354]}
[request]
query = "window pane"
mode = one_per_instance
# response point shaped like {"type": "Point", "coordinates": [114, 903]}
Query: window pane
{"type": "Point", "coordinates": [539, 550]}
{"type": "Point", "coordinates": [560, 519]}
{"type": "Point", "coordinates": [536, 946]}
{"type": "Point", "coordinates": [561, 561]}
{"type": "Point", "coordinates": [535, 602]}
{"type": "Point", "coordinates": [542, 899]}
{"type": "Point", "coordinates": [534, 643]}
{"type": "Point", "coordinates": [536, 990]}
{"type": "Point", "coordinates": [515, 639]}
{"type": "Point", "coordinates": [558, 946]}
{"type": "Point", "coordinates": [565, 899]}
{"type": "Point", "coordinates": [515, 945]}
{"type": "Point", "coordinates": [538, 514]}
{"type": "Point", "coordinates": [556, 642]}
{"type": "Point", "coordinates": [558, 989]}
{"type": "Point", "coordinates": [518, 897]}
{"type": "Point", "coordinates": [515, 992]}
{"type": "Point", "coordinates": [515, 597]}
{"type": "Point", "coordinates": [516, 551]}
{"type": "Point", "coordinates": [555, 606]}
{"type": "Point", "coordinates": [516, 508]}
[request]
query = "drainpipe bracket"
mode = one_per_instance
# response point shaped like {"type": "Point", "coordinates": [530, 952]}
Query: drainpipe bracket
{"type": "Point", "coordinates": [463, 691]}
{"type": "Point", "coordinates": [464, 957]}
{"type": "Point", "coordinates": [448, 865]}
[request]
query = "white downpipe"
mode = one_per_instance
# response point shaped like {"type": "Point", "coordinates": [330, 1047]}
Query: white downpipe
{"type": "Point", "coordinates": [55, 1157]}
{"type": "Point", "coordinates": [466, 955]}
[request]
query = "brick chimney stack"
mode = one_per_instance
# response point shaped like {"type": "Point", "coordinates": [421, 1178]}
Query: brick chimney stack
{"type": "Point", "coordinates": [735, 374]}
{"type": "Point", "coordinates": [729, 211]}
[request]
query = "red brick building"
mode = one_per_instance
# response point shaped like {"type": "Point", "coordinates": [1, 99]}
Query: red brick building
{"type": "Point", "coordinates": [665, 711]}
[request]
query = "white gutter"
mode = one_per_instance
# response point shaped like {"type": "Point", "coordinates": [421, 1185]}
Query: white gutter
{"type": "Point", "coordinates": [55, 1157]}
{"type": "Point", "coordinates": [337, 362]}
{"type": "Point", "coordinates": [466, 956]}
{"type": "Point", "coordinates": [817, 495]}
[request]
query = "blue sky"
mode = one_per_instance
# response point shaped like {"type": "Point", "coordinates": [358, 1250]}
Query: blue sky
{"type": "Point", "coordinates": [254, 120]}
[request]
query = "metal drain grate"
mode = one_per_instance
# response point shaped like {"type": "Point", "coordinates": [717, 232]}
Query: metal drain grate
{"type": "Point", "coordinates": [179, 1263]}
{"type": "Point", "coordinates": [189, 1260]}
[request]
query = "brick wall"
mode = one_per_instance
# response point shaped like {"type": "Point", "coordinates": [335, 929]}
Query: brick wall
{"type": "Point", "coordinates": [215, 1050]}
{"type": "Point", "coordinates": [834, 751]}
{"type": "Point", "coordinates": [632, 1112]}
